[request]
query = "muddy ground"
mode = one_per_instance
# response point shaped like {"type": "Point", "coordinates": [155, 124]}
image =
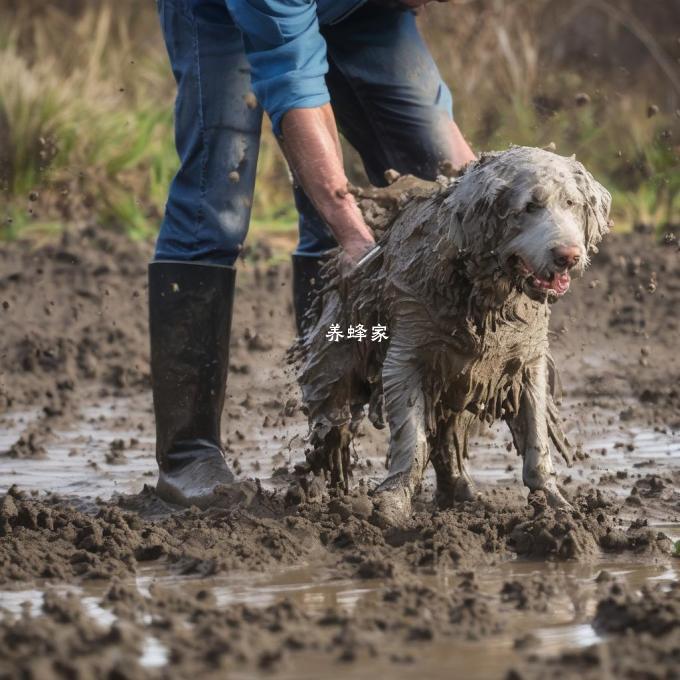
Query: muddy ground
{"type": "Point", "coordinates": [98, 578]}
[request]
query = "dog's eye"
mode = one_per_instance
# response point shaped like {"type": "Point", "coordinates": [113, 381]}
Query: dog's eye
{"type": "Point", "coordinates": [570, 202]}
{"type": "Point", "coordinates": [532, 207]}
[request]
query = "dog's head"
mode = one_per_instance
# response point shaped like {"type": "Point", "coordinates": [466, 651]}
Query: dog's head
{"type": "Point", "coordinates": [538, 214]}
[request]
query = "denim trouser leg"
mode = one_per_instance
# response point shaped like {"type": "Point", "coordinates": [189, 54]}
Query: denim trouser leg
{"type": "Point", "coordinates": [217, 134]}
{"type": "Point", "coordinates": [389, 101]}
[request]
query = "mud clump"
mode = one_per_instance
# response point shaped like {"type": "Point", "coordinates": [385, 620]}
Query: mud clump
{"type": "Point", "coordinates": [643, 639]}
{"type": "Point", "coordinates": [556, 535]}
{"type": "Point", "coordinates": [48, 538]}
{"type": "Point", "coordinates": [63, 641]}
{"type": "Point", "coordinates": [44, 540]}
{"type": "Point", "coordinates": [472, 535]}
{"type": "Point", "coordinates": [584, 532]}
{"type": "Point", "coordinates": [116, 453]}
{"type": "Point", "coordinates": [481, 532]}
{"type": "Point", "coordinates": [651, 610]}
{"type": "Point", "coordinates": [533, 594]}
{"type": "Point", "coordinates": [30, 444]}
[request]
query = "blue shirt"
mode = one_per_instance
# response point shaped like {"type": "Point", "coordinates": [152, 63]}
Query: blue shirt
{"type": "Point", "coordinates": [286, 51]}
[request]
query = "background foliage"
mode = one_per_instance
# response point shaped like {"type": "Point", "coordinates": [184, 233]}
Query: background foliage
{"type": "Point", "coordinates": [86, 105]}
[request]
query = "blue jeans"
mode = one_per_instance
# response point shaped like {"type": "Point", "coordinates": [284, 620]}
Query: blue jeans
{"type": "Point", "coordinates": [388, 98]}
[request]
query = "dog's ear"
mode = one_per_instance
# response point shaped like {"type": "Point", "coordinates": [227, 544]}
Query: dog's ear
{"type": "Point", "coordinates": [600, 216]}
{"type": "Point", "coordinates": [493, 203]}
{"type": "Point", "coordinates": [474, 211]}
{"type": "Point", "coordinates": [597, 201]}
{"type": "Point", "coordinates": [506, 201]}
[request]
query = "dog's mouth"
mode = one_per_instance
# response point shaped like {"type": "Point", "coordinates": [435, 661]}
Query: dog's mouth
{"type": "Point", "coordinates": [554, 285]}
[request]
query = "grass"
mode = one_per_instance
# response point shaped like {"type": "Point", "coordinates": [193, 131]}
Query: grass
{"type": "Point", "coordinates": [87, 132]}
{"type": "Point", "coordinates": [86, 116]}
{"type": "Point", "coordinates": [81, 133]}
{"type": "Point", "coordinates": [512, 89]}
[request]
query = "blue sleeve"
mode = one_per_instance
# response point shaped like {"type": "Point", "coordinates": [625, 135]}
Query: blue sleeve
{"type": "Point", "coordinates": [286, 52]}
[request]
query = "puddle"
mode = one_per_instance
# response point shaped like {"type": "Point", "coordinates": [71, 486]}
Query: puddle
{"type": "Point", "coordinates": [155, 654]}
{"type": "Point", "coordinates": [314, 589]}
{"type": "Point", "coordinates": [76, 466]}
{"type": "Point", "coordinates": [76, 462]}
{"type": "Point", "coordinates": [561, 628]}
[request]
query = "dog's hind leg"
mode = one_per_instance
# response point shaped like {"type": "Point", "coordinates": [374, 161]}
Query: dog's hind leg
{"type": "Point", "coordinates": [326, 391]}
{"type": "Point", "coordinates": [330, 455]}
{"type": "Point", "coordinates": [448, 452]}
{"type": "Point", "coordinates": [331, 449]}
{"type": "Point", "coordinates": [529, 428]}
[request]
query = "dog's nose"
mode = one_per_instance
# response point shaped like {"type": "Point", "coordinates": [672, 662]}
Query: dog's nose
{"type": "Point", "coordinates": [566, 257]}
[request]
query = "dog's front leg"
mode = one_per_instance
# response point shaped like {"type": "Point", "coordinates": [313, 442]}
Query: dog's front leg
{"type": "Point", "coordinates": [405, 405]}
{"type": "Point", "coordinates": [530, 433]}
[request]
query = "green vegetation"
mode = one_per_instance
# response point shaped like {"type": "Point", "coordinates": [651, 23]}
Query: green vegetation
{"type": "Point", "coordinates": [86, 124]}
{"type": "Point", "coordinates": [517, 78]}
{"type": "Point", "coordinates": [86, 115]}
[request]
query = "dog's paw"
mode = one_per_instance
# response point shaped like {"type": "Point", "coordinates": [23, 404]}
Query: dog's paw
{"type": "Point", "coordinates": [548, 496]}
{"type": "Point", "coordinates": [392, 508]}
{"type": "Point", "coordinates": [554, 496]}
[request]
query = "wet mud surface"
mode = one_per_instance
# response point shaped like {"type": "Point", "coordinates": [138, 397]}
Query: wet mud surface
{"type": "Point", "coordinates": [100, 578]}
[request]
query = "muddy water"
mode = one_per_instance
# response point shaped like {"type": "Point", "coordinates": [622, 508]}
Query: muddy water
{"type": "Point", "coordinates": [564, 626]}
{"type": "Point", "coordinates": [78, 464]}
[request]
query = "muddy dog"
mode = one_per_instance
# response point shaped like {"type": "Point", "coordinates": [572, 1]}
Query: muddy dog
{"type": "Point", "coordinates": [461, 282]}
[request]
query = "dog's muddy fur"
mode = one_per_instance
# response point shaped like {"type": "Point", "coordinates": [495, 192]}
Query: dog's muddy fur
{"type": "Point", "coordinates": [455, 285]}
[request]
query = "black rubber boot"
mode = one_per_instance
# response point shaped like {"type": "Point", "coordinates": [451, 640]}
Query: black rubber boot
{"type": "Point", "coordinates": [190, 308]}
{"type": "Point", "coordinates": [306, 282]}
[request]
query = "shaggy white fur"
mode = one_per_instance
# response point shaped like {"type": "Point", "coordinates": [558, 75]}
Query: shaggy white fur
{"type": "Point", "coordinates": [462, 283]}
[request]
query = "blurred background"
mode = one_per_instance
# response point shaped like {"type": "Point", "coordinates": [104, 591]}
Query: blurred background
{"type": "Point", "coordinates": [86, 98]}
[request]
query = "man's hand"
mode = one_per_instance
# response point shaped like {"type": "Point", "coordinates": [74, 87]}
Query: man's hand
{"type": "Point", "coordinates": [312, 148]}
{"type": "Point", "coordinates": [355, 250]}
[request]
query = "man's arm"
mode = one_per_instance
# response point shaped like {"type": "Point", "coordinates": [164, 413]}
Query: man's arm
{"type": "Point", "coordinates": [312, 147]}
{"type": "Point", "coordinates": [287, 55]}
{"type": "Point", "coordinates": [460, 152]}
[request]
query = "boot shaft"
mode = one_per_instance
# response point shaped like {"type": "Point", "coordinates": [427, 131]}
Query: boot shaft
{"type": "Point", "coordinates": [190, 311]}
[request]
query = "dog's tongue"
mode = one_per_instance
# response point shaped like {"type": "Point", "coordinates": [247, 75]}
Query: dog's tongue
{"type": "Point", "coordinates": [560, 283]}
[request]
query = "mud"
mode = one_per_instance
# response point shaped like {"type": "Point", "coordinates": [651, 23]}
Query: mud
{"type": "Point", "coordinates": [301, 584]}
{"type": "Point", "coordinates": [649, 619]}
